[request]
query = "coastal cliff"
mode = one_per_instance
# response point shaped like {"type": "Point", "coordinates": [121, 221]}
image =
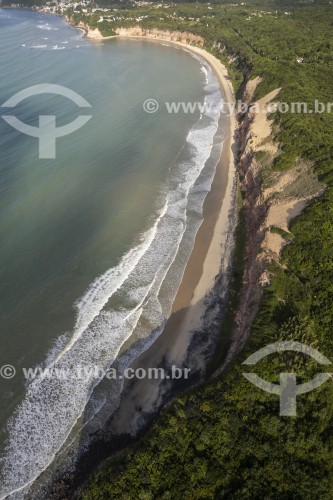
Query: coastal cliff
{"type": "Point", "coordinates": [271, 200]}
{"type": "Point", "coordinates": [170, 36]}
{"type": "Point", "coordinates": [184, 37]}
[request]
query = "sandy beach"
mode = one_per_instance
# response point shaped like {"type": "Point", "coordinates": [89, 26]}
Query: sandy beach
{"type": "Point", "coordinates": [207, 259]}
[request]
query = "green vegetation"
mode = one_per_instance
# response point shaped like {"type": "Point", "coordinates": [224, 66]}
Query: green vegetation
{"type": "Point", "coordinates": [285, 234]}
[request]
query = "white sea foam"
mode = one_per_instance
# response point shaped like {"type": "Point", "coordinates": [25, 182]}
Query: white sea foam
{"type": "Point", "coordinates": [46, 27]}
{"type": "Point", "coordinates": [98, 294]}
{"type": "Point", "coordinates": [170, 273]}
{"type": "Point", "coordinates": [205, 72]}
{"type": "Point", "coordinates": [52, 407]}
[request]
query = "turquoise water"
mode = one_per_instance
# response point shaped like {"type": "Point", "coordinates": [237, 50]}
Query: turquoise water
{"type": "Point", "coordinates": [95, 241]}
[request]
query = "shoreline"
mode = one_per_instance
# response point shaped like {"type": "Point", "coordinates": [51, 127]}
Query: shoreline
{"type": "Point", "coordinates": [208, 255]}
{"type": "Point", "coordinates": [188, 333]}
{"type": "Point", "coordinates": [191, 330]}
{"type": "Point", "coordinates": [204, 263]}
{"type": "Point", "coordinates": [198, 279]}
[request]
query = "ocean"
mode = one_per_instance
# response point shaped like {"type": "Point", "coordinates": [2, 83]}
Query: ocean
{"type": "Point", "coordinates": [94, 242]}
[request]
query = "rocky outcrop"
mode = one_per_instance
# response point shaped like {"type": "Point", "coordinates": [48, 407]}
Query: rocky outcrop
{"type": "Point", "coordinates": [153, 33]}
{"type": "Point", "coordinates": [171, 36]}
{"type": "Point", "coordinates": [255, 212]}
